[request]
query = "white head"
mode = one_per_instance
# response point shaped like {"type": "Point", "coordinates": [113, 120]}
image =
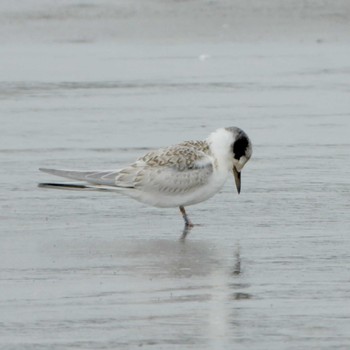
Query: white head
{"type": "Point", "coordinates": [234, 145]}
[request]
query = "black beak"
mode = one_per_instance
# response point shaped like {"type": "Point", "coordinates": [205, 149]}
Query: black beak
{"type": "Point", "coordinates": [237, 176]}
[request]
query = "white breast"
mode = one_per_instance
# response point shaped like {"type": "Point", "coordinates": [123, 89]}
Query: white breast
{"type": "Point", "coordinates": [164, 199]}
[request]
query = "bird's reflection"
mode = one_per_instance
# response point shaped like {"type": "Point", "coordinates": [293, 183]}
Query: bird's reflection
{"type": "Point", "coordinates": [187, 229]}
{"type": "Point", "coordinates": [237, 275]}
{"type": "Point", "coordinates": [237, 262]}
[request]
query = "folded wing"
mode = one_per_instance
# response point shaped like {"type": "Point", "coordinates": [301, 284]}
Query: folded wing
{"type": "Point", "coordinates": [97, 177]}
{"type": "Point", "coordinates": [175, 169]}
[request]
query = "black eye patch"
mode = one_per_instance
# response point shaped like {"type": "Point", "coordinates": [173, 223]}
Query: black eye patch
{"type": "Point", "coordinates": [240, 146]}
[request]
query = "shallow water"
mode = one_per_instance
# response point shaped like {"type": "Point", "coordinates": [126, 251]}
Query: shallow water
{"type": "Point", "coordinates": [266, 269]}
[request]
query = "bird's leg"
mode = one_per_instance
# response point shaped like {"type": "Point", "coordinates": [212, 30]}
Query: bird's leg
{"type": "Point", "coordinates": [188, 222]}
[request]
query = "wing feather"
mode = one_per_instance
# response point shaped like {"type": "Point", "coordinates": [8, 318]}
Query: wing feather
{"type": "Point", "coordinates": [106, 177]}
{"type": "Point", "coordinates": [175, 169]}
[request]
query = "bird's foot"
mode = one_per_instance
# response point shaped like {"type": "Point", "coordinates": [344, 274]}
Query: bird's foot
{"type": "Point", "coordinates": [188, 223]}
{"type": "Point", "coordinates": [187, 229]}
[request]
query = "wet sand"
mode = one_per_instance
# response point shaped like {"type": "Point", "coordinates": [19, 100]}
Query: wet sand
{"type": "Point", "coordinates": [266, 269]}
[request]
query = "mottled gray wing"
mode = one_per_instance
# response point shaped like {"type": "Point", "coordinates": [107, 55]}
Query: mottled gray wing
{"type": "Point", "coordinates": [175, 169]}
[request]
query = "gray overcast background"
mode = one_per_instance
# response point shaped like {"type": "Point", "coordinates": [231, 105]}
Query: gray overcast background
{"type": "Point", "coordinates": [174, 21]}
{"type": "Point", "coordinates": [94, 85]}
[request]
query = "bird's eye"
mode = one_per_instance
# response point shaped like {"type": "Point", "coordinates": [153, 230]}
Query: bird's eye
{"type": "Point", "coordinates": [239, 147]}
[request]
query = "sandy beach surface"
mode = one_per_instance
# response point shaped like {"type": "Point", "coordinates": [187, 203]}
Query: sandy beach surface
{"type": "Point", "coordinates": [95, 84]}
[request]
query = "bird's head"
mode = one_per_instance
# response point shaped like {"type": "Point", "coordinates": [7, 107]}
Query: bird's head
{"type": "Point", "coordinates": [231, 147]}
{"type": "Point", "coordinates": [241, 150]}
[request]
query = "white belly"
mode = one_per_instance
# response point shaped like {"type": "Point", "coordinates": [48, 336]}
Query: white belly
{"type": "Point", "coordinates": [170, 200]}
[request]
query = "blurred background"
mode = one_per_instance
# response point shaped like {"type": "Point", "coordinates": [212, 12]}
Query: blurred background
{"type": "Point", "coordinates": [96, 84]}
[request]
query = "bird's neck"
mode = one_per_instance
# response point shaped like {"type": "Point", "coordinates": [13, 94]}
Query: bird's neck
{"type": "Point", "coordinates": [220, 146]}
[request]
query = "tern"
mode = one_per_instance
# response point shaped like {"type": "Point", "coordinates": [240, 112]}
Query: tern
{"type": "Point", "coordinates": [177, 176]}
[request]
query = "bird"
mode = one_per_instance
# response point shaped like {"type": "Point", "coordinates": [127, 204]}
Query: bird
{"type": "Point", "coordinates": [176, 176]}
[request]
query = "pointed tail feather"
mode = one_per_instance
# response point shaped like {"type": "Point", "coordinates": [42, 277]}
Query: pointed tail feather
{"type": "Point", "coordinates": [69, 174]}
{"type": "Point", "coordinates": [106, 177]}
{"type": "Point", "coordinates": [78, 187]}
{"type": "Point", "coordinates": [68, 186]}
{"type": "Point", "coordinates": [93, 180]}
